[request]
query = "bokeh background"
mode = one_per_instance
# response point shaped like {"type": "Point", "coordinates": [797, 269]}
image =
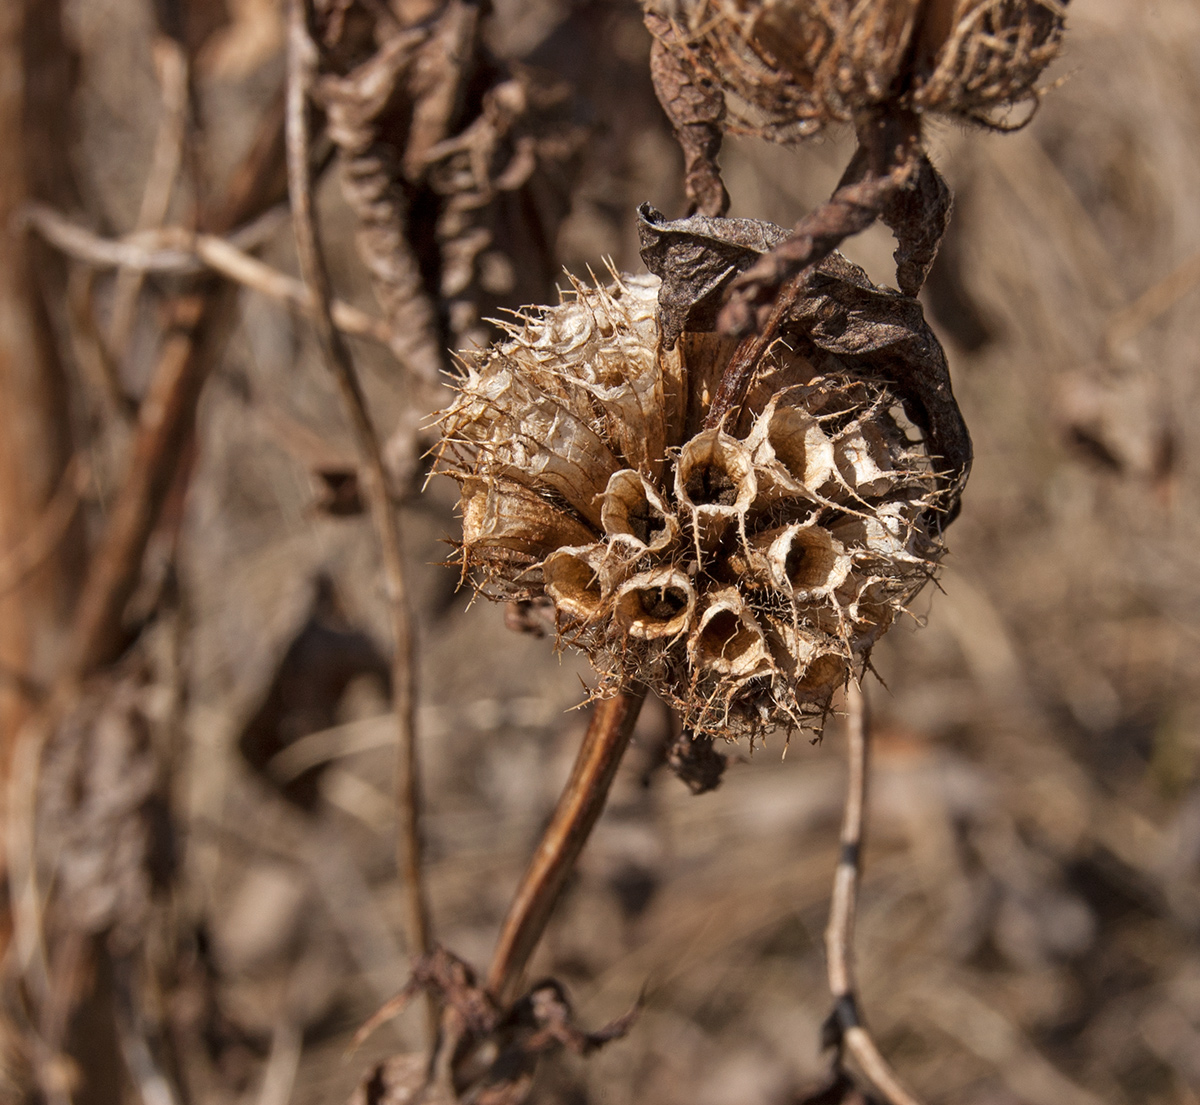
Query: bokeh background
{"type": "Point", "coordinates": [214, 828]}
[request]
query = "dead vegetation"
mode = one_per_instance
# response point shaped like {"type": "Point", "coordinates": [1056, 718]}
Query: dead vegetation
{"type": "Point", "coordinates": [210, 547]}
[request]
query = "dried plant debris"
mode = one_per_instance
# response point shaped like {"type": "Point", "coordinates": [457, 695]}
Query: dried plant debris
{"type": "Point", "coordinates": [486, 1054]}
{"type": "Point", "coordinates": [458, 169]}
{"type": "Point", "coordinates": [103, 833]}
{"type": "Point", "coordinates": [742, 570]}
{"type": "Point", "coordinates": [783, 70]}
{"type": "Point", "coordinates": [792, 67]}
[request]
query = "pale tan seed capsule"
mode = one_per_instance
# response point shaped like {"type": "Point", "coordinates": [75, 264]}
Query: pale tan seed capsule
{"type": "Point", "coordinates": [634, 515]}
{"type": "Point", "coordinates": [728, 640]}
{"type": "Point", "coordinates": [573, 580]}
{"type": "Point", "coordinates": [805, 562]}
{"type": "Point", "coordinates": [793, 648]}
{"type": "Point", "coordinates": [792, 455]}
{"type": "Point", "coordinates": [658, 604]}
{"type": "Point", "coordinates": [864, 460]}
{"type": "Point", "coordinates": [715, 485]}
{"type": "Point", "coordinates": [505, 514]}
{"type": "Point", "coordinates": [742, 571]}
{"type": "Point", "coordinates": [884, 532]}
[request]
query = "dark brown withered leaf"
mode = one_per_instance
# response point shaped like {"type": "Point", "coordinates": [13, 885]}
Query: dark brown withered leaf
{"type": "Point", "coordinates": [696, 258]}
{"type": "Point", "coordinates": [540, 1021]}
{"type": "Point", "coordinates": [696, 108]}
{"type": "Point", "coordinates": [918, 216]}
{"type": "Point", "coordinates": [840, 311]}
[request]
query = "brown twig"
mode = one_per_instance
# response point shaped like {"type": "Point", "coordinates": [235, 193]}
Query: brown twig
{"type": "Point", "coordinates": [172, 66]}
{"type": "Point", "coordinates": [175, 250]}
{"type": "Point", "coordinates": [849, 1032]}
{"type": "Point", "coordinates": [302, 59]}
{"type": "Point", "coordinates": [579, 806]}
{"type": "Point", "coordinates": [889, 177]}
{"type": "Point", "coordinates": [46, 531]}
{"type": "Point", "coordinates": [696, 109]}
{"type": "Point", "coordinates": [164, 426]}
{"type": "Point", "coordinates": [850, 210]}
{"type": "Point", "coordinates": [749, 353]}
{"type": "Point", "coordinates": [165, 421]}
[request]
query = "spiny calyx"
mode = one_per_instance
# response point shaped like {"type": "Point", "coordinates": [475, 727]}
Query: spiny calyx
{"type": "Point", "coordinates": [743, 571]}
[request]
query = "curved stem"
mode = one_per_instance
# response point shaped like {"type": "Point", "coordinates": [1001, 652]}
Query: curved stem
{"type": "Point", "coordinates": [302, 58]}
{"type": "Point", "coordinates": [839, 934]}
{"type": "Point", "coordinates": [579, 807]}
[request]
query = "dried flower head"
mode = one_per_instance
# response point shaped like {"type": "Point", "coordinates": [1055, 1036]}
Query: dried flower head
{"type": "Point", "coordinates": [796, 66]}
{"type": "Point", "coordinates": [742, 570]}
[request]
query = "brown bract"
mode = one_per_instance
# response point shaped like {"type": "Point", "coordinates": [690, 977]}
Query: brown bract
{"type": "Point", "coordinates": [791, 67]}
{"type": "Point", "coordinates": [741, 570]}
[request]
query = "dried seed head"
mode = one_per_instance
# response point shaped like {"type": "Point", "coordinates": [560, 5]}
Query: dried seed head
{"type": "Point", "coordinates": [742, 571]}
{"type": "Point", "coordinates": [793, 66]}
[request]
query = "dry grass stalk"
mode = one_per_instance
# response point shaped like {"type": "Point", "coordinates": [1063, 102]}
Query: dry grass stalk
{"type": "Point", "coordinates": [175, 250]}
{"type": "Point", "coordinates": [845, 1023]}
{"type": "Point", "coordinates": [302, 59]}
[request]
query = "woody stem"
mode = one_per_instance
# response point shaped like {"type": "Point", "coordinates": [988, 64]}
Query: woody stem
{"type": "Point", "coordinates": [579, 807]}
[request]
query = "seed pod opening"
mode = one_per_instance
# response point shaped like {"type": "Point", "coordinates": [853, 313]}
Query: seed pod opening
{"type": "Point", "coordinates": [727, 639]}
{"type": "Point", "coordinates": [792, 454]}
{"type": "Point", "coordinates": [805, 561]}
{"type": "Point", "coordinates": [573, 580]}
{"type": "Point", "coordinates": [656, 604]}
{"type": "Point", "coordinates": [635, 515]}
{"type": "Point", "coordinates": [715, 483]}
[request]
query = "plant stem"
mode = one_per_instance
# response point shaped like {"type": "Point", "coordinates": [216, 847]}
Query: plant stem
{"type": "Point", "coordinates": [579, 807]}
{"type": "Point", "coordinates": [302, 56]}
{"type": "Point", "coordinates": [839, 934]}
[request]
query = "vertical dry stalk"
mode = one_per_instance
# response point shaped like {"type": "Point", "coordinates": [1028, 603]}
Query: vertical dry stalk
{"type": "Point", "coordinates": [165, 422]}
{"type": "Point", "coordinates": [171, 63]}
{"type": "Point", "coordinates": [579, 807]}
{"type": "Point", "coordinates": [195, 333]}
{"type": "Point", "coordinates": [851, 1034]}
{"type": "Point", "coordinates": [198, 323]}
{"type": "Point", "coordinates": [34, 435]}
{"type": "Point", "coordinates": [302, 58]}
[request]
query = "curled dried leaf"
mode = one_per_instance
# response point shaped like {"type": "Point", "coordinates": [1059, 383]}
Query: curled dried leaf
{"type": "Point", "coordinates": [790, 67]}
